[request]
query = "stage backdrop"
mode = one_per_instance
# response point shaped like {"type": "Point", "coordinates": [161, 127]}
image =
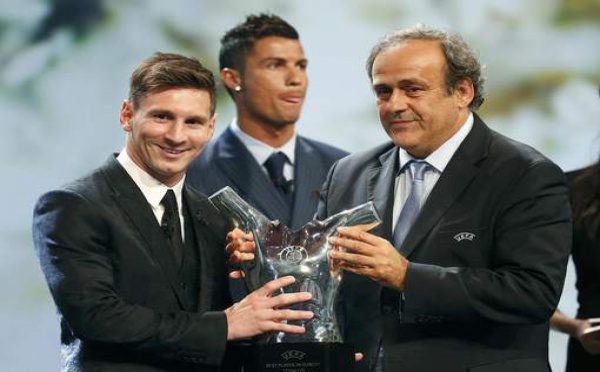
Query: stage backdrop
{"type": "Point", "coordinates": [64, 68]}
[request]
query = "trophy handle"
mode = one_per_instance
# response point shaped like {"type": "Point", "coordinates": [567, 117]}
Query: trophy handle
{"type": "Point", "coordinates": [359, 215]}
{"type": "Point", "coordinates": [248, 219]}
{"type": "Point", "coordinates": [242, 215]}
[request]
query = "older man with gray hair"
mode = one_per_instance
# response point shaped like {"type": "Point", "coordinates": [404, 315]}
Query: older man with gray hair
{"type": "Point", "coordinates": [469, 262]}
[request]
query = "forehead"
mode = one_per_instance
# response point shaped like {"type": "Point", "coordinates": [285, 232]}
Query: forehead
{"type": "Point", "coordinates": [412, 59]}
{"type": "Point", "coordinates": [185, 101]}
{"type": "Point", "coordinates": [276, 47]}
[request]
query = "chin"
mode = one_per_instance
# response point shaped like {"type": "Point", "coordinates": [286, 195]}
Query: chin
{"type": "Point", "coordinates": [409, 147]}
{"type": "Point", "coordinates": [285, 122]}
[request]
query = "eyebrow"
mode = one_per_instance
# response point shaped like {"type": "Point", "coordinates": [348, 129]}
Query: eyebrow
{"type": "Point", "coordinates": [400, 83]}
{"type": "Point", "coordinates": [282, 59]}
{"type": "Point", "coordinates": [200, 118]}
{"type": "Point", "coordinates": [160, 111]}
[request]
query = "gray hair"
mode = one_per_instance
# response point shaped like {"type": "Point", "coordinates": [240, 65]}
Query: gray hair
{"type": "Point", "coordinates": [461, 60]}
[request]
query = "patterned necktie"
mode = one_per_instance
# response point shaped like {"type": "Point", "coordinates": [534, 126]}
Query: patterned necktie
{"type": "Point", "coordinates": [171, 226]}
{"type": "Point", "coordinates": [412, 206]}
{"type": "Point", "coordinates": [274, 165]}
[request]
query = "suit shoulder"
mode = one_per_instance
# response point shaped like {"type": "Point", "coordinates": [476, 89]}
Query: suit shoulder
{"type": "Point", "coordinates": [206, 156]}
{"type": "Point", "coordinates": [72, 201]}
{"type": "Point", "coordinates": [360, 164]}
{"type": "Point", "coordinates": [205, 163]}
{"type": "Point", "coordinates": [324, 148]}
{"type": "Point", "coordinates": [87, 186]}
{"type": "Point", "coordinates": [510, 152]}
{"type": "Point", "coordinates": [361, 158]}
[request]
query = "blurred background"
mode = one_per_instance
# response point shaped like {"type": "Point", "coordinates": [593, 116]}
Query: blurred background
{"type": "Point", "coordinates": [65, 65]}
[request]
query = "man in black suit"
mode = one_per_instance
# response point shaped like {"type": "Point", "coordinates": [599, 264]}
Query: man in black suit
{"type": "Point", "coordinates": [467, 277]}
{"type": "Point", "coordinates": [134, 259]}
{"type": "Point", "coordinates": [259, 155]}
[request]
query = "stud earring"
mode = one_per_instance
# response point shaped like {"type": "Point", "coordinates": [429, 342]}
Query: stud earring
{"type": "Point", "coordinates": [237, 88]}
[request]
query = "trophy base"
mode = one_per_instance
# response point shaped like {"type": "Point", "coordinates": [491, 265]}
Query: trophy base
{"type": "Point", "coordinates": [303, 357]}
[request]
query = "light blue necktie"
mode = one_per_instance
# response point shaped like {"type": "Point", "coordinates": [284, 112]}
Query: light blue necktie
{"type": "Point", "coordinates": [412, 206]}
{"type": "Point", "coordinates": [408, 215]}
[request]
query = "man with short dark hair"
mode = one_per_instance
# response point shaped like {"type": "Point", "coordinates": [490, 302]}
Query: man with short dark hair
{"type": "Point", "coordinates": [469, 262]}
{"type": "Point", "coordinates": [259, 155]}
{"type": "Point", "coordinates": [134, 259]}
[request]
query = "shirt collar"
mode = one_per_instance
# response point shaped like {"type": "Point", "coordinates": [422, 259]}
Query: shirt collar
{"type": "Point", "coordinates": [440, 158]}
{"type": "Point", "coordinates": [153, 189]}
{"type": "Point", "coordinates": [260, 150]}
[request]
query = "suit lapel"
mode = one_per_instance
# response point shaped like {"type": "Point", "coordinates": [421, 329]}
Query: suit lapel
{"type": "Point", "coordinates": [380, 190]}
{"type": "Point", "coordinates": [201, 212]}
{"type": "Point", "coordinates": [129, 197]}
{"type": "Point", "coordinates": [306, 178]}
{"type": "Point", "coordinates": [459, 173]}
{"type": "Point", "coordinates": [248, 178]}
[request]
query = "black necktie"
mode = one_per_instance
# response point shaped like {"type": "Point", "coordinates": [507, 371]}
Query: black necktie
{"type": "Point", "coordinates": [171, 225]}
{"type": "Point", "coordinates": [274, 165]}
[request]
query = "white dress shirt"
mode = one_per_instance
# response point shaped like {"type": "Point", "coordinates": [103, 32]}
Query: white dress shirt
{"type": "Point", "coordinates": [261, 151]}
{"type": "Point", "coordinates": [153, 189]}
{"type": "Point", "coordinates": [438, 160]}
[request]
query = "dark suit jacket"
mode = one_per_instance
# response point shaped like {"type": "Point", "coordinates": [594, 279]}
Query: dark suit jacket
{"type": "Point", "coordinates": [487, 254]}
{"type": "Point", "coordinates": [585, 197]}
{"type": "Point", "coordinates": [227, 162]}
{"type": "Point", "coordinates": [114, 281]}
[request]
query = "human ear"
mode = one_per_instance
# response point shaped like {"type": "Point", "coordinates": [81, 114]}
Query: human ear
{"type": "Point", "coordinates": [232, 79]}
{"type": "Point", "coordinates": [125, 115]}
{"type": "Point", "coordinates": [464, 92]}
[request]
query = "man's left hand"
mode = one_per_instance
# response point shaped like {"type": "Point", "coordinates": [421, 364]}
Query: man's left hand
{"type": "Point", "coordinates": [362, 253]}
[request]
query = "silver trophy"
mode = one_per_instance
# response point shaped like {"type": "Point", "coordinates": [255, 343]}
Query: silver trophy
{"type": "Point", "coordinates": [302, 254]}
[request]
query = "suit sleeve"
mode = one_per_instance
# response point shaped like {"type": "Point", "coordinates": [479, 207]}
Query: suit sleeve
{"type": "Point", "coordinates": [72, 239]}
{"type": "Point", "coordinates": [528, 256]}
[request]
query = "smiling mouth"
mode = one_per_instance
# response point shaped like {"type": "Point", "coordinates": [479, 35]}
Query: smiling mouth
{"type": "Point", "coordinates": [171, 151]}
{"type": "Point", "coordinates": [401, 122]}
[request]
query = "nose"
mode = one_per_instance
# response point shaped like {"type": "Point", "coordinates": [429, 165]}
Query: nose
{"type": "Point", "coordinates": [175, 134]}
{"type": "Point", "coordinates": [398, 101]}
{"type": "Point", "coordinates": [296, 76]}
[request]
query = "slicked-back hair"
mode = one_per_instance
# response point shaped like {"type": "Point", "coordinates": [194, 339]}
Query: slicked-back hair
{"type": "Point", "coordinates": [239, 41]}
{"type": "Point", "coordinates": [461, 61]}
{"type": "Point", "coordinates": [164, 71]}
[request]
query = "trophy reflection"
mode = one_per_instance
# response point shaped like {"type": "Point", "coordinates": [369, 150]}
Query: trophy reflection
{"type": "Point", "coordinates": [302, 254]}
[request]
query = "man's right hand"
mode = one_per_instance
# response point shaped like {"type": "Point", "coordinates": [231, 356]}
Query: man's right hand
{"type": "Point", "coordinates": [240, 247]}
{"type": "Point", "coordinates": [261, 312]}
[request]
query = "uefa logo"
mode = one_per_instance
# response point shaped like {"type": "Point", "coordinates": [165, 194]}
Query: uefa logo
{"type": "Point", "coordinates": [293, 254]}
{"type": "Point", "coordinates": [464, 235]}
{"type": "Point", "coordinates": [293, 354]}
